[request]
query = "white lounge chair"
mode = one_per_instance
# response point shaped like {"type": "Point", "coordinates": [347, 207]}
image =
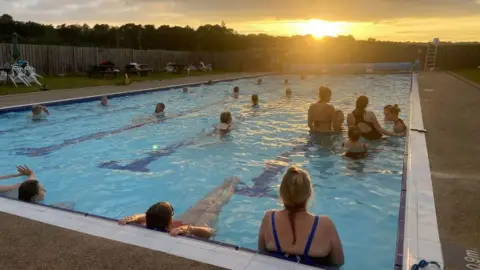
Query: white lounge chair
{"type": "Point", "coordinates": [205, 67]}
{"type": "Point", "coordinates": [169, 67]}
{"type": "Point", "coordinates": [17, 76]}
{"type": "Point", "coordinates": [32, 75]}
{"type": "Point", "coordinates": [3, 77]}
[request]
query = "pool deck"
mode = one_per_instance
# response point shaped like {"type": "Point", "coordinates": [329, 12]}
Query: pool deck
{"type": "Point", "coordinates": [450, 108]}
{"type": "Point", "coordinates": [40, 97]}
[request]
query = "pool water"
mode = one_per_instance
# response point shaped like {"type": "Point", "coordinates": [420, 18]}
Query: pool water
{"type": "Point", "coordinates": [108, 162]}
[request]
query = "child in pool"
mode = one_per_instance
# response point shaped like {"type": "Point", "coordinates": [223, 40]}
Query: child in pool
{"type": "Point", "coordinates": [225, 124]}
{"type": "Point", "coordinates": [355, 148]}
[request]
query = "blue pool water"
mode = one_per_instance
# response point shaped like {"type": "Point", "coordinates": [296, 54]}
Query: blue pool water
{"type": "Point", "coordinates": [108, 162]}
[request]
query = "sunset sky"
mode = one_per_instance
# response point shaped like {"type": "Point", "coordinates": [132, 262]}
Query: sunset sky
{"type": "Point", "coordinates": [395, 20]}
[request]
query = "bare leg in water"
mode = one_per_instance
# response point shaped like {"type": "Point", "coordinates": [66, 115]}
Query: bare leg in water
{"type": "Point", "coordinates": [205, 211]}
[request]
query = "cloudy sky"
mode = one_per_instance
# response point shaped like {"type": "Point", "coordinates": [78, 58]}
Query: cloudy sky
{"type": "Point", "coordinates": [397, 20]}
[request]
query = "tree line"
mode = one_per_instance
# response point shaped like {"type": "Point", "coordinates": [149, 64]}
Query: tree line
{"type": "Point", "coordinates": [135, 36]}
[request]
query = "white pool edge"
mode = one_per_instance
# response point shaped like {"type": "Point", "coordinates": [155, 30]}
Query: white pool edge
{"type": "Point", "coordinates": [421, 238]}
{"type": "Point", "coordinates": [201, 251]}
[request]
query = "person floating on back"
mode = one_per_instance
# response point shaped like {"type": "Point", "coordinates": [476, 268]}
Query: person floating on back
{"type": "Point", "coordinates": [355, 148]}
{"type": "Point", "coordinates": [37, 112]}
{"type": "Point", "coordinates": [104, 101]}
{"type": "Point", "coordinates": [293, 233]}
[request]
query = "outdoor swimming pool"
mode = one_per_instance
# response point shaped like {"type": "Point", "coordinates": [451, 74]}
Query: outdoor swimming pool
{"type": "Point", "coordinates": [108, 162]}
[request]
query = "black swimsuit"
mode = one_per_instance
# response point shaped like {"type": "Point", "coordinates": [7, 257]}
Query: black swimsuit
{"type": "Point", "coordinates": [373, 134]}
{"type": "Point", "coordinates": [356, 155]}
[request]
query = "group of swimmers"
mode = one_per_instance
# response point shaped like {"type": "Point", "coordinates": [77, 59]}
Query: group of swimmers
{"type": "Point", "coordinates": [292, 233]}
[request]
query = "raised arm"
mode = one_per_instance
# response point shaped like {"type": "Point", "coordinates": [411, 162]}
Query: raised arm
{"type": "Point", "coordinates": [10, 176]}
{"type": "Point", "coordinates": [24, 170]}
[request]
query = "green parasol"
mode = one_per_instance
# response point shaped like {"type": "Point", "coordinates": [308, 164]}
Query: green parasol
{"type": "Point", "coordinates": [15, 51]}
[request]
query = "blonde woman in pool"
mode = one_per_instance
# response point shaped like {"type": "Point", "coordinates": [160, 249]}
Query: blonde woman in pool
{"type": "Point", "coordinates": [293, 233]}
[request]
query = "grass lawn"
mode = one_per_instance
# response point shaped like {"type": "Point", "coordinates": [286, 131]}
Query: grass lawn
{"type": "Point", "coordinates": [55, 83]}
{"type": "Point", "coordinates": [470, 74]}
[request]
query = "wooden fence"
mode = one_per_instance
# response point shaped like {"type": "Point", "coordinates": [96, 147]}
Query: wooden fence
{"type": "Point", "coordinates": [66, 59]}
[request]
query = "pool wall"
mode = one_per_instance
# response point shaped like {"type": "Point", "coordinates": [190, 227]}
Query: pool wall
{"type": "Point", "coordinates": [420, 232]}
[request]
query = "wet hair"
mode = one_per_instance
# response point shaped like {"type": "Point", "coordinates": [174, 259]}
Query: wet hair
{"type": "Point", "coordinates": [159, 216]}
{"type": "Point", "coordinates": [324, 93]}
{"type": "Point", "coordinates": [236, 89]}
{"type": "Point", "coordinates": [28, 190]}
{"type": "Point", "coordinates": [36, 109]}
{"type": "Point", "coordinates": [225, 117]}
{"type": "Point", "coordinates": [395, 110]}
{"type": "Point", "coordinates": [354, 133]}
{"type": "Point", "coordinates": [295, 191]}
{"type": "Point", "coordinates": [161, 105]}
{"type": "Point", "coordinates": [361, 105]}
{"type": "Point", "coordinates": [255, 98]}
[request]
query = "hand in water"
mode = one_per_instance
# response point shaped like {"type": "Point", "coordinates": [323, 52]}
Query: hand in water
{"type": "Point", "coordinates": [24, 170]}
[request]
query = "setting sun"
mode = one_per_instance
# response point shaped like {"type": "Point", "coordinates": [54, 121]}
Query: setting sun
{"type": "Point", "coordinates": [319, 28]}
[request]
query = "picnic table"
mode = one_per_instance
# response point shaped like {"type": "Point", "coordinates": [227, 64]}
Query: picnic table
{"type": "Point", "coordinates": [103, 71]}
{"type": "Point", "coordinates": [139, 69]}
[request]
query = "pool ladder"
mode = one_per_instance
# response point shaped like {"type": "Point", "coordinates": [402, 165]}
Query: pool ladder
{"type": "Point", "coordinates": [431, 57]}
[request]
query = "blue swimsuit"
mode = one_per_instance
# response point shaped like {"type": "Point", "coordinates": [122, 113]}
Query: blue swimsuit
{"type": "Point", "coordinates": [303, 259]}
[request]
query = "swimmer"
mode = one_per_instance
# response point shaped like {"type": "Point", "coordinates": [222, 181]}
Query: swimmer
{"type": "Point", "coordinates": [321, 115]}
{"type": "Point", "coordinates": [255, 100]}
{"type": "Point", "coordinates": [37, 112]}
{"type": "Point", "coordinates": [22, 170]}
{"type": "Point", "coordinates": [236, 92]}
{"type": "Point", "coordinates": [104, 101]}
{"type": "Point", "coordinates": [355, 148]}
{"type": "Point", "coordinates": [286, 82]}
{"type": "Point", "coordinates": [160, 108]}
{"type": "Point", "coordinates": [198, 221]}
{"type": "Point", "coordinates": [288, 92]}
{"type": "Point", "coordinates": [210, 82]}
{"type": "Point", "coordinates": [225, 124]}
{"type": "Point", "coordinates": [259, 81]}
{"type": "Point", "coordinates": [338, 121]}
{"type": "Point", "coordinates": [185, 90]}
{"type": "Point", "coordinates": [399, 126]}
